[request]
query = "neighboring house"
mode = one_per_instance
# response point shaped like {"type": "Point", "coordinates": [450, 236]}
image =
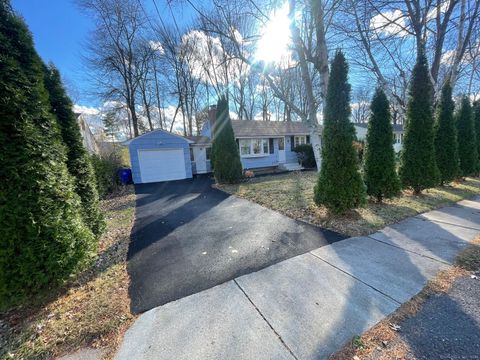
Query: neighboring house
{"type": "Point", "coordinates": [161, 156]}
{"type": "Point", "coordinates": [87, 136]}
{"type": "Point", "coordinates": [361, 131]}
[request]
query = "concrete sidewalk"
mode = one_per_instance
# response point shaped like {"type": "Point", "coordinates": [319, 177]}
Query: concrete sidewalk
{"type": "Point", "coordinates": [308, 306]}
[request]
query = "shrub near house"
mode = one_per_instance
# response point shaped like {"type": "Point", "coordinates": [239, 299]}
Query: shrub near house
{"type": "Point", "coordinates": [106, 168]}
{"type": "Point", "coordinates": [226, 160]}
{"type": "Point", "coordinates": [305, 155]}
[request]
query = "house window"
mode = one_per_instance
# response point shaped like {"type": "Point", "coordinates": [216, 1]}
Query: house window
{"type": "Point", "coordinates": [265, 145]}
{"type": "Point", "coordinates": [300, 140]}
{"type": "Point", "coordinates": [254, 147]}
{"type": "Point", "coordinates": [398, 138]}
{"type": "Point", "coordinates": [208, 152]}
{"type": "Point", "coordinates": [245, 147]}
{"type": "Point", "coordinates": [191, 155]}
{"type": "Point", "coordinates": [257, 146]}
{"type": "Point", "coordinates": [281, 143]}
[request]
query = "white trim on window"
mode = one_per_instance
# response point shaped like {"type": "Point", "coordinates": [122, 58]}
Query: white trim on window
{"type": "Point", "coordinates": [299, 140]}
{"type": "Point", "coordinates": [254, 147]}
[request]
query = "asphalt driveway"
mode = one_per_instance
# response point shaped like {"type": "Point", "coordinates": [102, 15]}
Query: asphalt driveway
{"type": "Point", "coordinates": [189, 237]}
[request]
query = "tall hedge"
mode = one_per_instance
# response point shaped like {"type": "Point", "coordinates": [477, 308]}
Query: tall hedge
{"type": "Point", "coordinates": [227, 167]}
{"type": "Point", "coordinates": [418, 168]}
{"type": "Point", "coordinates": [446, 148]}
{"type": "Point", "coordinates": [43, 236]}
{"type": "Point", "coordinates": [476, 119]}
{"type": "Point", "coordinates": [467, 144]}
{"type": "Point", "coordinates": [78, 160]}
{"type": "Point", "coordinates": [379, 167]}
{"type": "Point", "coordinates": [339, 186]}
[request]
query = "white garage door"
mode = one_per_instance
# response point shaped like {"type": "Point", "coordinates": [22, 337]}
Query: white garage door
{"type": "Point", "coordinates": [161, 165]}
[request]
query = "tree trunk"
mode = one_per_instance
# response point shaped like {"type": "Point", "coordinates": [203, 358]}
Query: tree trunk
{"type": "Point", "coordinates": [131, 107]}
{"type": "Point", "coordinates": [321, 64]}
{"type": "Point", "coordinates": [316, 142]}
{"type": "Point", "coordinates": [157, 93]}
{"type": "Point", "coordinates": [147, 109]}
{"type": "Point", "coordinates": [129, 117]}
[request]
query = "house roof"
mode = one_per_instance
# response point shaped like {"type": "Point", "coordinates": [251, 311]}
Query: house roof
{"type": "Point", "coordinates": [199, 140]}
{"type": "Point", "coordinates": [254, 128]}
{"type": "Point", "coordinates": [396, 127]}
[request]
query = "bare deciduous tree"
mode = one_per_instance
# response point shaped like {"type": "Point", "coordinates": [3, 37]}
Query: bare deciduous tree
{"type": "Point", "coordinates": [112, 52]}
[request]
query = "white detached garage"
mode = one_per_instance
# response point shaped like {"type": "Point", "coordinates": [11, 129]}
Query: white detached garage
{"type": "Point", "coordinates": [160, 156]}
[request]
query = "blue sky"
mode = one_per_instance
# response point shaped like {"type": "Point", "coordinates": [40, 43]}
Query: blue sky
{"type": "Point", "coordinates": [58, 28]}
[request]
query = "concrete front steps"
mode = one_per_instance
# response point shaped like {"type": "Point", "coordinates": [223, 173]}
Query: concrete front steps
{"type": "Point", "coordinates": [291, 166]}
{"type": "Point", "coordinates": [308, 306]}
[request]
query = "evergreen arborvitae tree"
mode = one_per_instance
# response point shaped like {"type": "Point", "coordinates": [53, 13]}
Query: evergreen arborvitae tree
{"type": "Point", "coordinates": [476, 119]}
{"type": "Point", "coordinates": [227, 167]}
{"type": "Point", "coordinates": [467, 145]}
{"type": "Point", "coordinates": [339, 186]}
{"type": "Point", "coordinates": [446, 148]}
{"type": "Point", "coordinates": [43, 236]}
{"type": "Point", "coordinates": [78, 160]}
{"type": "Point", "coordinates": [379, 168]}
{"type": "Point", "coordinates": [418, 168]}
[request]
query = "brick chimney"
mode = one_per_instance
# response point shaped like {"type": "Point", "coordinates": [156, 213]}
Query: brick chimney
{"type": "Point", "coordinates": [212, 117]}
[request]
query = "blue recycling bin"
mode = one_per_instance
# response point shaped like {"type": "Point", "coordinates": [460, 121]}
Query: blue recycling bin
{"type": "Point", "coordinates": [125, 176]}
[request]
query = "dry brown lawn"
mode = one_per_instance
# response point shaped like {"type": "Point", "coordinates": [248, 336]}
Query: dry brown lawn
{"type": "Point", "coordinates": [93, 310]}
{"type": "Point", "coordinates": [292, 195]}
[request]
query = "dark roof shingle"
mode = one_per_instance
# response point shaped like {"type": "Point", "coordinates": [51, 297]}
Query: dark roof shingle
{"type": "Point", "coordinates": [253, 128]}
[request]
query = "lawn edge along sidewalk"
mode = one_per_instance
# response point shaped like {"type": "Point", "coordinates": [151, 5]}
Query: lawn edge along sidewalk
{"type": "Point", "coordinates": [312, 303]}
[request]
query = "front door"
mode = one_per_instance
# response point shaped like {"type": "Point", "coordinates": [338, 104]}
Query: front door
{"type": "Point", "coordinates": [200, 156]}
{"type": "Point", "coordinates": [281, 150]}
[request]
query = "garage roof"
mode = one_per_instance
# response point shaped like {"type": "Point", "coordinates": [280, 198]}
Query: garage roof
{"type": "Point", "coordinates": [158, 132]}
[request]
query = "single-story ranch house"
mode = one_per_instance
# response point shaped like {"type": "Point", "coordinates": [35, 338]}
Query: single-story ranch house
{"type": "Point", "coordinates": [162, 156]}
{"type": "Point", "coordinates": [361, 131]}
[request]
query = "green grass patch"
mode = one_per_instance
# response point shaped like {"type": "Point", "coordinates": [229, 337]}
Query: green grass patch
{"type": "Point", "coordinates": [292, 195]}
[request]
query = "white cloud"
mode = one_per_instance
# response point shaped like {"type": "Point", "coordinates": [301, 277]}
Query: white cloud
{"type": "Point", "coordinates": [357, 105]}
{"type": "Point", "coordinates": [448, 57]}
{"type": "Point", "coordinates": [87, 110]}
{"type": "Point", "coordinates": [389, 23]}
{"type": "Point", "coordinates": [157, 46]}
{"type": "Point", "coordinates": [94, 118]}
{"type": "Point", "coordinates": [236, 35]}
{"type": "Point", "coordinates": [208, 61]}
{"type": "Point", "coordinates": [205, 54]}
{"type": "Point", "coordinates": [432, 14]}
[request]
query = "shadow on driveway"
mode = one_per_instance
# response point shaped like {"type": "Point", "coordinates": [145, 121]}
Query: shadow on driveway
{"type": "Point", "coordinates": [189, 237]}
